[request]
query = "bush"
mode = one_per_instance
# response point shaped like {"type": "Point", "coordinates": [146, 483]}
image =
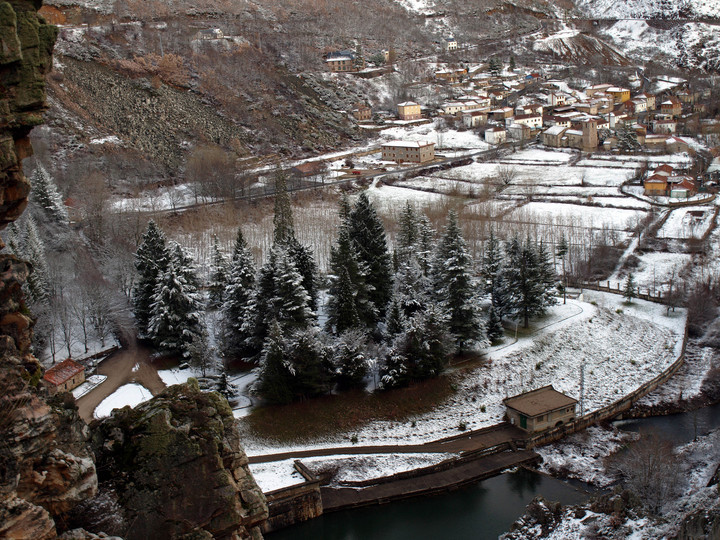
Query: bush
{"type": "Point", "coordinates": [462, 426]}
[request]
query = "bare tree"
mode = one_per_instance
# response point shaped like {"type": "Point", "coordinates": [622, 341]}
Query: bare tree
{"type": "Point", "coordinates": [651, 470]}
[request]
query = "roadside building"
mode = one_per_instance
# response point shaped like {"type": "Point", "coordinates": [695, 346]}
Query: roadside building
{"type": "Point", "coordinates": [540, 409]}
{"type": "Point", "coordinates": [496, 135]}
{"type": "Point", "coordinates": [656, 185]}
{"type": "Point", "coordinates": [408, 151]}
{"type": "Point", "coordinates": [409, 110]}
{"type": "Point", "coordinates": [65, 376]}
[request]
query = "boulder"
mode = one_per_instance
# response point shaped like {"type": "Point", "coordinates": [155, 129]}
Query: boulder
{"type": "Point", "coordinates": [177, 469]}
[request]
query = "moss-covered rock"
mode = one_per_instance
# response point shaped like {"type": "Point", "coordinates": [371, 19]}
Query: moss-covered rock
{"type": "Point", "coordinates": [177, 468]}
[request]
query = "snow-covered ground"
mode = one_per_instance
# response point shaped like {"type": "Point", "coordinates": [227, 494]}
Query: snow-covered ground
{"type": "Point", "coordinates": [129, 394]}
{"type": "Point", "coordinates": [593, 216]}
{"type": "Point", "coordinates": [619, 351]}
{"type": "Point", "coordinates": [688, 222]}
{"type": "Point", "coordinates": [344, 468]}
{"type": "Point", "coordinates": [176, 376]}
{"type": "Point", "coordinates": [657, 270]}
{"type": "Point", "coordinates": [91, 382]}
{"type": "Point", "coordinates": [582, 455]}
{"type": "Point", "coordinates": [687, 383]}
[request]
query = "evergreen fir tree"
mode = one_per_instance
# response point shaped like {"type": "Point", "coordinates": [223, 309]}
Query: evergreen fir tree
{"type": "Point", "coordinates": [283, 225]}
{"type": "Point", "coordinates": [455, 288]}
{"type": "Point", "coordinates": [547, 281]}
{"type": "Point", "coordinates": [312, 363]}
{"type": "Point", "coordinates": [430, 343]}
{"type": "Point", "coordinates": [224, 387]}
{"type": "Point", "coordinates": [368, 235]}
{"type": "Point", "coordinates": [413, 290]}
{"type": "Point", "coordinates": [425, 244]}
{"type": "Point", "coordinates": [629, 288]}
{"type": "Point", "coordinates": [342, 314]}
{"type": "Point", "coordinates": [174, 322]}
{"type": "Point", "coordinates": [218, 276]}
{"type": "Point", "coordinates": [276, 378]}
{"type": "Point", "coordinates": [284, 235]}
{"type": "Point", "coordinates": [494, 325]}
{"type": "Point", "coordinates": [279, 296]}
{"type": "Point", "coordinates": [395, 320]}
{"type": "Point", "coordinates": [408, 234]}
{"type": "Point", "coordinates": [351, 362]}
{"type": "Point", "coordinates": [421, 351]}
{"type": "Point", "coordinates": [527, 281]}
{"type": "Point", "coordinates": [46, 195]}
{"type": "Point", "coordinates": [491, 263]}
{"type": "Point", "coordinates": [38, 282]}
{"type": "Point", "coordinates": [151, 260]}
{"type": "Point", "coordinates": [305, 264]}
{"type": "Point", "coordinates": [627, 138]}
{"type": "Point", "coordinates": [198, 351]}
{"type": "Point", "coordinates": [184, 264]}
{"type": "Point", "coordinates": [349, 303]}
{"type": "Point", "coordinates": [238, 295]}
{"type": "Point", "coordinates": [394, 370]}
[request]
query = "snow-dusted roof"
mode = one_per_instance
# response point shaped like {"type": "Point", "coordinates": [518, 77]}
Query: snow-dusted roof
{"type": "Point", "coordinates": [539, 401]}
{"type": "Point", "coordinates": [408, 144]}
{"type": "Point", "coordinates": [573, 132]}
{"type": "Point", "coordinates": [338, 59]}
{"type": "Point", "coordinates": [555, 130]}
{"type": "Point", "coordinates": [617, 89]}
{"type": "Point", "coordinates": [407, 104]}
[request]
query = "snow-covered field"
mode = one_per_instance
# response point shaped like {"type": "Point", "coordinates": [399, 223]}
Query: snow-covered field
{"type": "Point", "coordinates": [619, 351]}
{"type": "Point", "coordinates": [591, 216]}
{"type": "Point", "coordinates": [657, 270]}
{"type": "Point", "coordinates": [129, 394]}
{"type": "Point", "coordinates": [688, 222]}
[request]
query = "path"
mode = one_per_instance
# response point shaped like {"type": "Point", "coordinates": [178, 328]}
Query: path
{"type": "Point", "coordinates": [466, 442]}
{"type": "Point", "coordinates": [129, 364]}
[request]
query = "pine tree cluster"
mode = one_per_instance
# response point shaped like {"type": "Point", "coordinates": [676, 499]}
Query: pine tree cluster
{"type": "Point", "coordinates": [392, 318]}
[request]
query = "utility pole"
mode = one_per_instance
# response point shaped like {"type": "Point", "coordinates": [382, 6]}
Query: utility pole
{"type": "Point", "coordinates": [582, 388]}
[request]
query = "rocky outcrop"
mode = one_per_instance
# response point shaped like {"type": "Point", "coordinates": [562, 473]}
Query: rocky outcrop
{"type": "Point", "coordinates": [46, 464]}
{"type": "Point", "coordinates": [46, 467]}
{"type": "Point", "coordinates": [25, 57]}
{"type": "Point", "coordinates": [176, 468]}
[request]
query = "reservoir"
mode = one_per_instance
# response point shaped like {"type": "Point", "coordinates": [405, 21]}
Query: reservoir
{"type": "Point", "coordinates": [477, 512]}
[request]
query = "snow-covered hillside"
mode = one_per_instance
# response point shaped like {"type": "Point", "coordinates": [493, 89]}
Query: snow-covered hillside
{"type": "Point", "coordinates": [665, 9]}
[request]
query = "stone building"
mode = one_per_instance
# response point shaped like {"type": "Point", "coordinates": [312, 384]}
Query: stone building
{"type": "Point", "coordinates": [540, 409]}
{"type": "Point", "coordinates": [65, 376]}
{"type": "Point", "coordinates": [408, 151]}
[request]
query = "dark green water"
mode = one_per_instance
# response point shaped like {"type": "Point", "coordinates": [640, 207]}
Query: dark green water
{"type": "Point", "coordinates": [477, 512]}
{"type": "Point", "coordinates": [677, 428]}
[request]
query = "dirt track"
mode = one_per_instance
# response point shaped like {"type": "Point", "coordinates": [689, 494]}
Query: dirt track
{"type": "Point", "coordinates": [131, 364]}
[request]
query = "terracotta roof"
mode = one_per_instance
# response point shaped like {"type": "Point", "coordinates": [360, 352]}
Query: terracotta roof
{"type": "Point", "coordinates": [63, 372]}
{"type": "Point", "coordinates": [539, 401]}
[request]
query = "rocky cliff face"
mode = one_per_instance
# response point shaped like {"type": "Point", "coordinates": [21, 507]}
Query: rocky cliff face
{"type": "Point", "coordinates": [45, 464]}
{"type": "Point", "coordinates": [173, 467]}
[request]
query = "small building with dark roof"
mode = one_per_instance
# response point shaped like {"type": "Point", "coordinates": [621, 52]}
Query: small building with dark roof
{"type": "Point", "coordinates": [65, 376]}
{"type": "Point", "coordinates": [540, 409]}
